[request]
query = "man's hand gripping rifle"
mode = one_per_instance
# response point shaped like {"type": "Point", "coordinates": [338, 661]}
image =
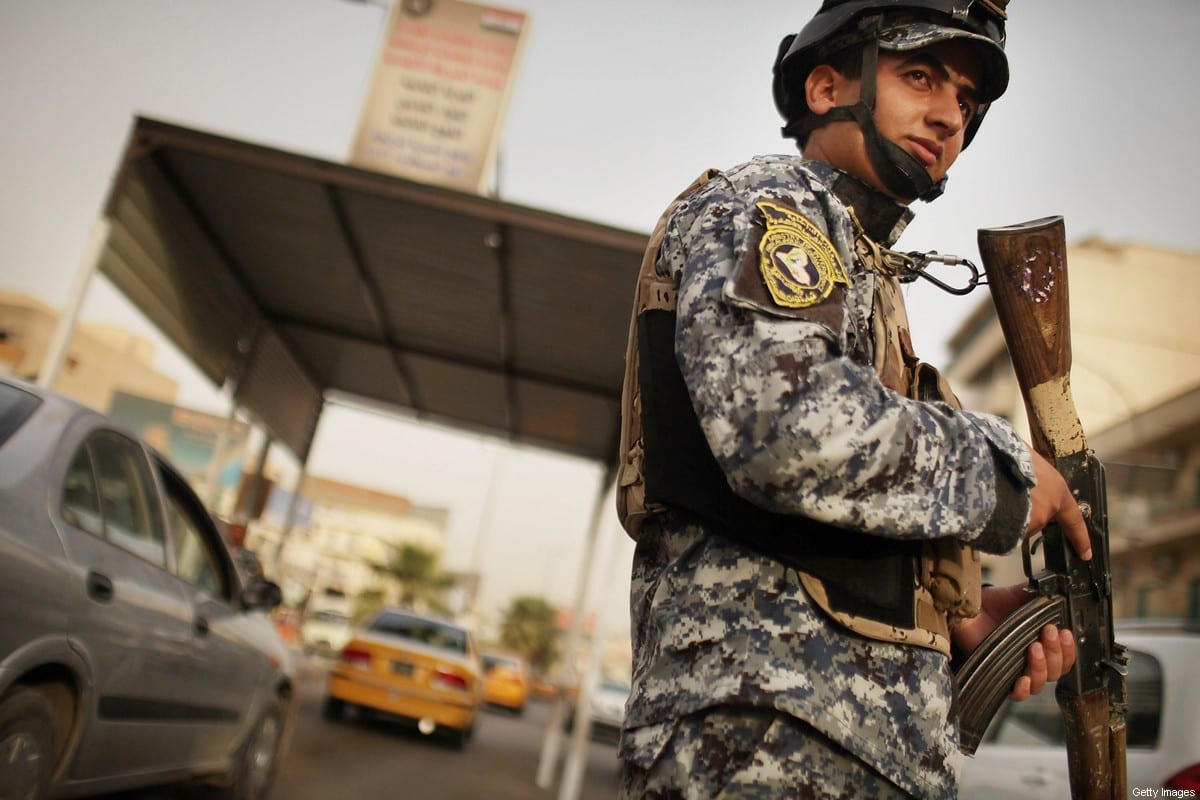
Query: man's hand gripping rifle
{"type": "Point", "coordinates": [1027, 276]}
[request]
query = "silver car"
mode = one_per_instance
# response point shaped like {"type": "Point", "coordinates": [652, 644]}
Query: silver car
{"type": "Point", "coordinates": [131, 653]}
{"type": "Point", "coordinates": [1023, 756]}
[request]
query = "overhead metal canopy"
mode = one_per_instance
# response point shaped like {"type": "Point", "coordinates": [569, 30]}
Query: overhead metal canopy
{"type": "Point", "coordinates": [294, 277]}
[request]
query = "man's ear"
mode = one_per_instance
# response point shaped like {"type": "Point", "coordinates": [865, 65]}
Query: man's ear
{"type": "Point", "coordinates": [824, 88]}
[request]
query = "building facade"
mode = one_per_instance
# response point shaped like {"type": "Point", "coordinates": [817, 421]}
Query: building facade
{"type": "Point", "coordinates": [101, 360]}
{"type": "Point", "coordinates": [341, 539]}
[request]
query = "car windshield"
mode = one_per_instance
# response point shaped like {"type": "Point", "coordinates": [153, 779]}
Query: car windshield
{"type": "Point", "coordinates": [441, 635]}
{"type": "Point", "coordinates": [331, 617]}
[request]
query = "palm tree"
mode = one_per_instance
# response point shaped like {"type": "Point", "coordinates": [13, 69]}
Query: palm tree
{"type": "Point", "coordinates": [528, 628]}
{"type": "Point", "coordinates": [418, 572]}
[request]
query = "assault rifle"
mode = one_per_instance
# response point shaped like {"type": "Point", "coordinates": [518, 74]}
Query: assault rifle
{"type": "Point", "coordinates": [1027, 276]}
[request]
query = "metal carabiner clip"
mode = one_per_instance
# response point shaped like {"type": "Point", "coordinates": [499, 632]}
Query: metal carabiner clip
{"type": "Point", "coordinates": [918, 268]}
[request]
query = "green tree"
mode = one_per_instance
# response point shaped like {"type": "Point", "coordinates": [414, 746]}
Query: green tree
{"type": "Point", "coordinates": [366, 604]}
{"type": "Point", "coordinates": [423, 585]}
{"type": "Point", "coordinates": [528, 628]}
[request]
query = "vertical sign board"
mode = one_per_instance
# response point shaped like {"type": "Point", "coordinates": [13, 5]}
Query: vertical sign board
{"type": "Point", "coordinates": [444, 73]}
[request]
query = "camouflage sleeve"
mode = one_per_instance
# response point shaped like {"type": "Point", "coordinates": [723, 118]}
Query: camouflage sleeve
{"type": "Point", "coordinates": [801, 426]}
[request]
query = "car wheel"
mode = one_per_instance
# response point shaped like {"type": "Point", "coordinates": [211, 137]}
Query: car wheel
{"type": "Point", "coordinates": [26, 745]}
{"type": "Point", "coordinates": [333, 709]}
{"type": "Point", "coordinates": [459, 739]}
{"type": "Point", "coordinates": [257, 760]}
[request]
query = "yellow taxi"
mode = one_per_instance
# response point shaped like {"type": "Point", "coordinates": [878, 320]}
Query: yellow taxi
{"type": "Point", "coordinates": [505, 680]}
{"type": "Point", "coordinates": [411, 667]}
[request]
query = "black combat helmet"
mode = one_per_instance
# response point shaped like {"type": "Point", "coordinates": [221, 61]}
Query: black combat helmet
{"type": "Point", "coordinates": [895, 25]}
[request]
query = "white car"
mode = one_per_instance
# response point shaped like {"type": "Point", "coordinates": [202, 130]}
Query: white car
{"type": "Point", "coordinates": [608, 710]}
{"type": "Point", "coordinates": [1022, 756]}
{"type": "Point", "coordinates": [325, 632]}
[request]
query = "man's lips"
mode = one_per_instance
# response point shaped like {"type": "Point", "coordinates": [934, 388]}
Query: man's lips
{"type": "Point", "coordinates": [927, 151]}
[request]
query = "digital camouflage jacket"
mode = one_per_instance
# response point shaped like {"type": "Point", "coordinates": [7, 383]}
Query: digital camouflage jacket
{"type": "Point", "coordinates": [785, 389]}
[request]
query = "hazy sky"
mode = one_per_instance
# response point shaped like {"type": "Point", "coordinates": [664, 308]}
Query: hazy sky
{"type": "Point", "coordinates": [619, 105]}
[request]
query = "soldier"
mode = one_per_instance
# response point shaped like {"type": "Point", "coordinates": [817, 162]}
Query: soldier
{"type": "Point", "coordinates": [808, 498]}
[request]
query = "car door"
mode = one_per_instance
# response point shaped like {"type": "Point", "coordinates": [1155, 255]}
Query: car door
{"type": "Point", "coordinates": [228, 669]}
{"type": "Point", "coordinates": [1023, 755]}
{"type": "Point", "coordinates": [130, 621]}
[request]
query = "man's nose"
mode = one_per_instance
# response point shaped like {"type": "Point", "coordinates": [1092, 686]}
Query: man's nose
{"type": "Point", "coordinates": [946, 112]}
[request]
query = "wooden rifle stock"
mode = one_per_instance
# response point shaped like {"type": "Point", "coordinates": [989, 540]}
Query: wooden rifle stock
{"type": "Point", "coordinates": [1026, 267]}
{"type": "Point", "coordinates": [1027, 275]}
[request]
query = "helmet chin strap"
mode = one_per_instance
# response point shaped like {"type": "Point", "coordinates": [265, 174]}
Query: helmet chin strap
{"type": "Point", "coordinates": [901, 172]}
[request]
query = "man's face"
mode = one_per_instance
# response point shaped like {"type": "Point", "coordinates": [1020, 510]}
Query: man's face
{"type": "Point", "coordinates": [923, 102]}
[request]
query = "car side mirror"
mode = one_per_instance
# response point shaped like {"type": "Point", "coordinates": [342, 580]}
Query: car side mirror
{"type": "Point", "coordinates": [261, 594]}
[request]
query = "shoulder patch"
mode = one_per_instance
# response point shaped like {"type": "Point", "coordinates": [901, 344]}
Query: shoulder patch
{"type": "Point", "coordinates": [799, 265]}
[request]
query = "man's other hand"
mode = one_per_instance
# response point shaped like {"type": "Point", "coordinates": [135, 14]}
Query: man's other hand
{"type": "Point", "coordinates": [1046, 660]}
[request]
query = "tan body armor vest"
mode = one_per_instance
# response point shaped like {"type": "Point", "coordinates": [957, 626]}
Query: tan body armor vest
{"type": "Point", "coordinates": [947, 577]}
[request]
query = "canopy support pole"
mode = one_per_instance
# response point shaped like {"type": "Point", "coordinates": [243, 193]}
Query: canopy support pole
{"type": "Point", "coordinates": [576, 764]}
{"type": "Point", "coordinates": [552, 742]}
{"type": "Point", "coordinates": [56, 352]}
